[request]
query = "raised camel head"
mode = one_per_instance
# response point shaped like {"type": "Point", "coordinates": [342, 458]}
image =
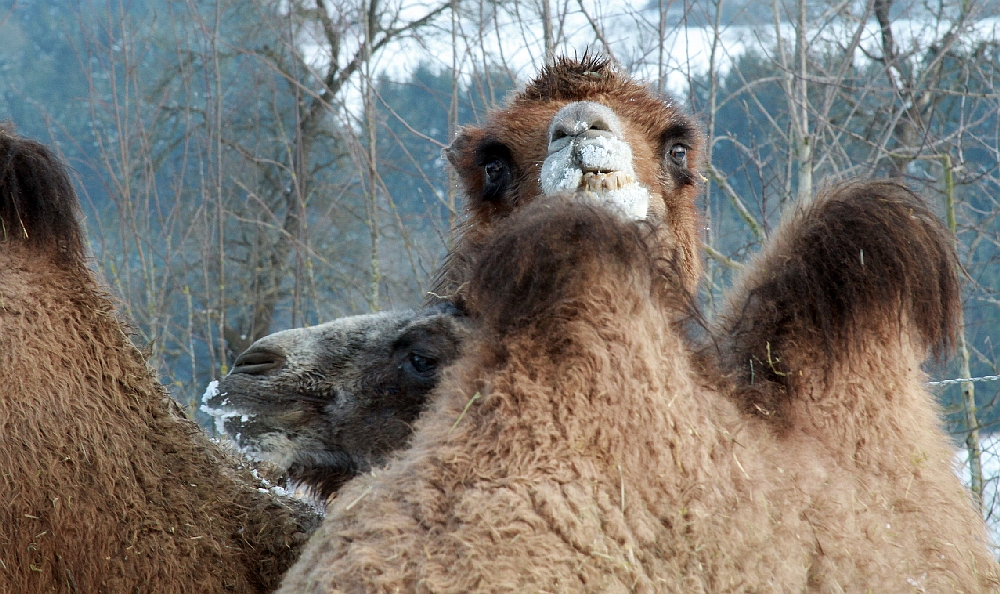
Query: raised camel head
{"type": "Point", "coordinates": [580, 125]}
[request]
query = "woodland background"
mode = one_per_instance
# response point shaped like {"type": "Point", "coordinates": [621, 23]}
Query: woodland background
{"type": "Point", "coordinates": [253, 165]}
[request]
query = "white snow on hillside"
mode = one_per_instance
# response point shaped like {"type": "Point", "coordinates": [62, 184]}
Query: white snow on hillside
{"type": "Point", "coordinates": [990, 446]}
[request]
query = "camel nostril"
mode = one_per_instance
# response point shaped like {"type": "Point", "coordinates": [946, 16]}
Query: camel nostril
{"type": "Point", "coordinates": [600, 124]}
{"type": "Point", "coordinates": [258, 360]}
{"type": "Point", "coordinates": [583, 119]}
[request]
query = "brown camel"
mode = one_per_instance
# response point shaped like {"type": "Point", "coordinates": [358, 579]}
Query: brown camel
{"type": "Point", "coordinates": [796, 450]}
{"type": "Point", "coordinates": [107, 487]}
{"type": "Point", "coordinates": [581, 443]}
{"type": "Point", "coordinates": [581, 124]}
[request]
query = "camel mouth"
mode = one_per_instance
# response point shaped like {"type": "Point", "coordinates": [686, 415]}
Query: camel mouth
{"type": "Point", "coordinates": [600, 166]}
{"type": "Point", "coordinates": [216, 404]}
{"type": "Point", "coordinates": [604, 181]}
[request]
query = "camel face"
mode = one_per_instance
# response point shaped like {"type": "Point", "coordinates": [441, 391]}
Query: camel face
{"type": "Point", "coordinates": [581, 125]}
{"type": "Point", "coordinates": [588, 151]}
{"type": "Point", "coordinates": [328, 402]}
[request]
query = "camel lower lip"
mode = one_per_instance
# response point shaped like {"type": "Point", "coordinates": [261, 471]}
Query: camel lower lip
{"type": "Point", "coordinates": [596, 181]}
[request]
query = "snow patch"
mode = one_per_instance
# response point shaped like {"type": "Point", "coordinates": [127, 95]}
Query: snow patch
{"type": "Point", "coordinates": [211, 391]}
{"type": "Point", "coordinates": [605, 154]}
{"type": "Point", "coordinates": [560, 173]}
{"type": "Point", "coordinates": [220, 415]}
{"type": "Point", "coordinates": [631, 201]}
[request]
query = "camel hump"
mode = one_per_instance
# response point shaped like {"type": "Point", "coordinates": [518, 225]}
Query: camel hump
{"type": "Point", "coordinates": [38, 206]}
{"type": "Point", "coordinates": [863, 253]}
{"type": "Point", "coordinates": [571, 250]}
{"type": "Point", "coordinates": [856, 262]}
{"type": "Point", "coordinates": [883, 244]}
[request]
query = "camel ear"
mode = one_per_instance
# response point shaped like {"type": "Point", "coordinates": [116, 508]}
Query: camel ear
{"type": "Point", "coordinates": [461, 146]}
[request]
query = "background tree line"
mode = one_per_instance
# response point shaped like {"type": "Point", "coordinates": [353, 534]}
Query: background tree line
{"type": "Point", "coordinates": [252, 165]}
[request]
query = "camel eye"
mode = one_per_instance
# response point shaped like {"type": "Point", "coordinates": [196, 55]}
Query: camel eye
{"type": "Point", "coordinates": [494, 171]}
{"type": "Point", "coordinates": [678, 153]}
{"type": "Point", "coordinates": [422, 365]}
{"type": "Point", "coordinates": [497, 164]}
{"type": "Point", "coordinates": [498, 178]}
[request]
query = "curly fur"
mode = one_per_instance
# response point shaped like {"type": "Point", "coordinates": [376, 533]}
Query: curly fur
{"type": "Point", "coordinates": [107, 487]}
{"type": "Point", "coordinates": [584, 442]}
{"type": "Point", "coordinates": [582, 445]}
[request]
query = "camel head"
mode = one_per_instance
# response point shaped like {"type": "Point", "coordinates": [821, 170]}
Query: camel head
{"type": "Point", "coordinates": [327, 402]}
{"type": "Point", "coordinates": [581, 125]}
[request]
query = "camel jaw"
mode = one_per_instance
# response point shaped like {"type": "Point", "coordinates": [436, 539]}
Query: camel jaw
{"type": "Point", "coordinates": [600, 166]}
{"type": "Point", "coordinates": [252, 438]}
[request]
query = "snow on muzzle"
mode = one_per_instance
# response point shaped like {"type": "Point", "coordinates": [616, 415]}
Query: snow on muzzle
{"type": "Point", "coordinates": [587, 151]}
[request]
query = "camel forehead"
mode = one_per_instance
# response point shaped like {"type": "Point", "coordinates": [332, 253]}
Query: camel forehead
{"type": "Point", "coordinates": [522, 123]}
{"type": "Point", "coordinates": [569, 79]}
{"type": "Point", "coordinates": [351, 342]}
{"type": "Point", "coordinates": [353, 332]}
{"type": "Point", "coordinates": [525, 123]}
{"type": "Point", "coordinates": [590, 79]}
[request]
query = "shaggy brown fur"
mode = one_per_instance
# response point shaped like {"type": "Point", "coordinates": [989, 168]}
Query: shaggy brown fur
{"type": "Point", "coordinates": [106, 486]}
{"type": "Point", "coordinates": [555, 457]}
{"type": "Point", "coordinates": [583, 443]}
{"type": "Point", "coordinates": [825, 334]}
{"type": "Point", "coordinates": [865, 259]}
{"type": "Point", "coordinates": [499, 163]}
{"type": "Point", "coordinates": [580, 446]}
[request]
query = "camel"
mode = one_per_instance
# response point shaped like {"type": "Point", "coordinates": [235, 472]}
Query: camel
{"type": "Point", "coordinates": [581, 124]}
{"type": "Point", "coordinates": [582, 442]}
{"type": "Point", "coordinates": [328, 402]}
{"type": "Point", "coordinates": [107, 487]}
{"type": "Point", "coordinates": [500, 168]}
{"type": "Point", "coordinates": [585, 442]}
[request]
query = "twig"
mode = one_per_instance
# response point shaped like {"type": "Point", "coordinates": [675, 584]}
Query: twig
{"type": "Point", "coordinates": [475, 397]}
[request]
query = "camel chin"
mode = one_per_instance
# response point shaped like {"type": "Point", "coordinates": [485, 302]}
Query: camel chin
{"type": "Point", "coordinates": [589, 156]}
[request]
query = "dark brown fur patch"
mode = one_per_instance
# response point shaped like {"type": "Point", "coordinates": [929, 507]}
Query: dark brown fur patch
{"type": "Point", "coordinates": [568, 247]}
{"type": "Point", "coordinates": [566, 78]}
{"type": "Point", "coordinates": [862, 257]}
{"type": "Point", "coordinates": [37, 201]}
